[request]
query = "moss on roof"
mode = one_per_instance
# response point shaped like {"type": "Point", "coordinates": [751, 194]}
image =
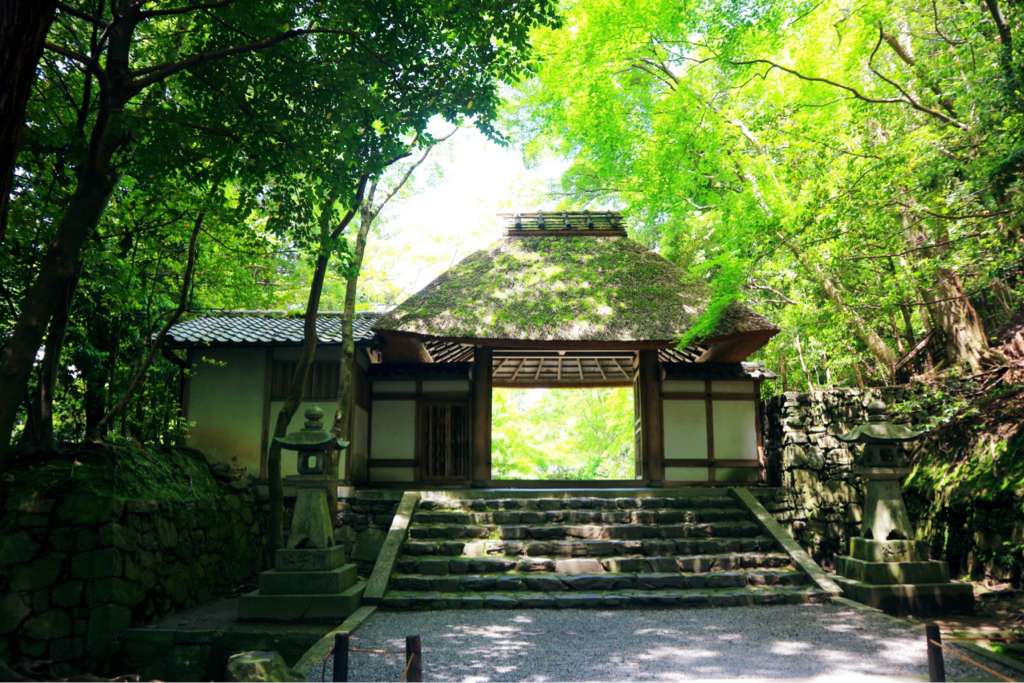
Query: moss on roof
{"type": "Point", "coordinates": [607, 289]}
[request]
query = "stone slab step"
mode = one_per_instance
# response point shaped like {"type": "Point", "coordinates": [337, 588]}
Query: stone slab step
{"type": "Point", "coordinates": [583, 503]}
{"type": "Point", "coordinates": [276, 582]}
{"type": "Point", "coordinates": [440, 565]}
{"type": "Point", "coordinates": [722, 597]}
{"type": "Point", "coordinates": [548, 582]}
{"type": "Point", "coordinates": [589, 548]}
{"type": "Point", "coordinates": [645, 516]}
{"type": "Point", "coordinates": [327, 608]}
{"type": "Point", "coordinates": [592, 531]}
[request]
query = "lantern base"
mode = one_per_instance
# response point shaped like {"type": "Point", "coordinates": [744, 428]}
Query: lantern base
{"type": "Point", "coordinates": [897, 577]}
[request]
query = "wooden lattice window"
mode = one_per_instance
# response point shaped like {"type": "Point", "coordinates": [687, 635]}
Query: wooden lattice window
{"type": "Point", "coordinates": [322, 384]}
{"type": "Point", "coordinates": [444, 440]}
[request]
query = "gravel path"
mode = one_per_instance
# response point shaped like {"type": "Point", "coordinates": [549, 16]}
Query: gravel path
{"type": "Point", "coordinates": [799, 641]}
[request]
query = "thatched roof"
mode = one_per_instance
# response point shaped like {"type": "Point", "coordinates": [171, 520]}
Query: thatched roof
{"type": "Point", "coordinates": [566, 288]}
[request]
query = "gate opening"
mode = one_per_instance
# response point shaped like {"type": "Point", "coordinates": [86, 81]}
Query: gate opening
{"type": "Point", "coordinates": [540, 434]}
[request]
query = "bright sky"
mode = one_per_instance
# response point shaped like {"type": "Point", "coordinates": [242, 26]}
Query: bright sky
{"type": "Point", "coordinates": [450, 210]}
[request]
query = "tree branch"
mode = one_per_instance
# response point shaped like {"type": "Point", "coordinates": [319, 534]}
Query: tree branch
{"type": "Point", "coordinates": [143, 78]}
{"type": "Point", "coordinates": [156, 343]}
{"type": "Point", "coordinates": [173, 11]}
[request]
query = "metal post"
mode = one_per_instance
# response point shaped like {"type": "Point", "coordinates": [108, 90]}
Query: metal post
{"type": "Point", "coordinates": [413, 658]}
{"type": "Point", "coordinates": [340, 672]}
{"type": "Point", "coordinates": [936, 665]}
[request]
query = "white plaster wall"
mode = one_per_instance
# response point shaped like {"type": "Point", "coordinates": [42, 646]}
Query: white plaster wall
{"type": "Point", "coordinates": [225, 405]}
{"type": "Point", "coordinates": [735, 429]}
{"type": "Point", "coordinates": [686, 429]}
{"type": "Point", "coordinates": [288, 458]}
{"type": "Point", "coordinates": [393, 430]}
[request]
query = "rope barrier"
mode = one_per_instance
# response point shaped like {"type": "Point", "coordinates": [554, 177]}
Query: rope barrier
{"type": "Point", "coordinates": [367, 650]}
{"type": "Point", "coordinates": [956, 652]}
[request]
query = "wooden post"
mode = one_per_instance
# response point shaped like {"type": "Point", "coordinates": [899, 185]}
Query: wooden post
{"type": "Point", "coordinates": [413, 658]}
{"type": "Point", "coordinates": [340, 670]}
{"type": "Point", "coordinates": [480, 457]}
{"type": "Point", "coordinates": [936, 665]}
{"type": "Point", "coordinates": [653, 436]}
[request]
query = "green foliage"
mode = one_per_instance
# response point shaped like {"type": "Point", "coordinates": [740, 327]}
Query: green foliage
{"type": "Point", "coordinates": [562, 434]}
{"type": "Point", "coordinates": [828, 163]}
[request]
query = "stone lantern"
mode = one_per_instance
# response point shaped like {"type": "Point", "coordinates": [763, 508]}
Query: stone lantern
{"type": "Point", "coordinates": [311, 521]}
{"type": "Point", "coordinates": [310, 580]}
{"type": "Point", "coordinates": [886, 567]}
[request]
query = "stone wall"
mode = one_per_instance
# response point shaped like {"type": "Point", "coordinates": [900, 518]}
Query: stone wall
{"type": "Point", "coordinates": [76, 570]}
{"type": "Point", "coordinates": [363, 520]}
{"type": "Point", "coordinates": [820, 498]}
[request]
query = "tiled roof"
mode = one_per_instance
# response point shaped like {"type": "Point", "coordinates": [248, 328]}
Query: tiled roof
{"type": "Point", "coordinates": [263, 328]}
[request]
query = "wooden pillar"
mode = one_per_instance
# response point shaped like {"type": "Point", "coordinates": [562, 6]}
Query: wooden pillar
{"type": "Point", "coordinates": [480, 456]}
{"type": "Point", "coordinates": [653, 435]}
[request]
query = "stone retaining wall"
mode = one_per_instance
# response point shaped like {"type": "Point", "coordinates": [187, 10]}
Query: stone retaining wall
{"type": "Point", "coordinates": [77, 570]}
{"type": "Point", "coordinates": [820, 497]}
{"type": "Point", "coordinates": [362, 523]}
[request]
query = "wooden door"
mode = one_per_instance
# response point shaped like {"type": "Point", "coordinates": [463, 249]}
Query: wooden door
{"type": "Point", "coordinates": [443, 440]}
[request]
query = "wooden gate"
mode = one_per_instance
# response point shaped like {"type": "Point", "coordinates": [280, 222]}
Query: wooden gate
{"type": "Point", "coordinates": [443, 440]}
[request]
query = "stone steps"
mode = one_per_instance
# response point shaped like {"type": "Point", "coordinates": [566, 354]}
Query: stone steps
{"type": "Point", "coordinates": [591, 531]}
{"type": "Point", "coordinates": [590, 547]}
{"type": "Point", "coordinates": [539, 502]}
{"type": "Point", "coordinates": [684, 549]}
{"type": "Point", "coordinates": [645, 516]}
{"type": "Point", "coordinates": [437, 565]}
{"type": "Point", "coordinates": [550, 581]}
{"type": "Point", "coordinates": [722, 597]}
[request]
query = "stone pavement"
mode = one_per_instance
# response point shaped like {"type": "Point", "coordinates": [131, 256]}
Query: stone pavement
{"type": "Point", "coordinates": [813, 641]}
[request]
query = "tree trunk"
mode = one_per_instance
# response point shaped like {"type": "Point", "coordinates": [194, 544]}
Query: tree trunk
{"type": "Point", "coordinates": [342, 427]}
{"type": "Point", "coordinates": [96, 180]}
{"type": "Point", "coordinates": [964, 339]}
{"type": "Point", "coordinates": [42, 402]}
{"type": "Point", "coordinates": [300, 377]}
{"type": "Point", "coordinates": [23, 28]}
{"type": "Point", "coordinates": [950, 311]}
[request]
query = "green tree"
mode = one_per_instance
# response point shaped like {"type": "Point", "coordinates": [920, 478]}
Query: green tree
{"type": "Point", "coordinates": [853, 171]}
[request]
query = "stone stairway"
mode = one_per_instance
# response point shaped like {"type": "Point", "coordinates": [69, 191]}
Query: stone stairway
{"type": "Point", "coordinates": [683, 548]}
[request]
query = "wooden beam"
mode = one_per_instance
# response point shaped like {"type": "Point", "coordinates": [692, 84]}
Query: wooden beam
{"type": "Point", "coordinates": [653, 441]}
{"type": "Point", "coordinates": [480, 455]}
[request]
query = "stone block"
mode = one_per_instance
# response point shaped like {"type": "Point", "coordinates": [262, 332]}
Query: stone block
{"type": "Point", "coordinates": [888, 551]}
{"type": "Point", "coordinates": [105, 622]}
{"type": "Point", "coordinates": [928, 599]}
{"type": "Point", "coordinates": [258, 666]}
{"type": "Point", "coordinates": [38, 574]}
{"type": "Point", "coordinates": [276, 582]}
{"type": "Point", "coordinates": [96, 564]}
{"type": "Point", "coordinates": [579, 566]}
{"type": "Point", "coordinates": [368, 544]}
{"type": "Point", "coordinates": [309, 559]}
{"type": "Point", "coordinates": [17, 548]}
{"type": "Point", "coordinates": [313, 608]}
{"type": "Point", "coordinates": [14, 608]}
{"type": "Point", "coordinates": [86, 509]}
{"type": "Point", "coordinates": [68, 594]}
{"type": "Point", "coordinates": [50, 625]}
{"type": "Point", "coordinates": [116, 590]}
{"type": "Point", "coordinates": [928, 571]}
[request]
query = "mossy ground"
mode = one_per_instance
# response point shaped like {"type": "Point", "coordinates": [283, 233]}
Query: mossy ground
{"type": "Point", "coordinates": [119, 471]}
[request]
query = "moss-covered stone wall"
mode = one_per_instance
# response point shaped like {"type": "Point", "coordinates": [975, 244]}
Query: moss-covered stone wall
{"type": "Point", "coordinates": [820, 497]}
{"type": "Point", "coordinates": [79, 564]}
